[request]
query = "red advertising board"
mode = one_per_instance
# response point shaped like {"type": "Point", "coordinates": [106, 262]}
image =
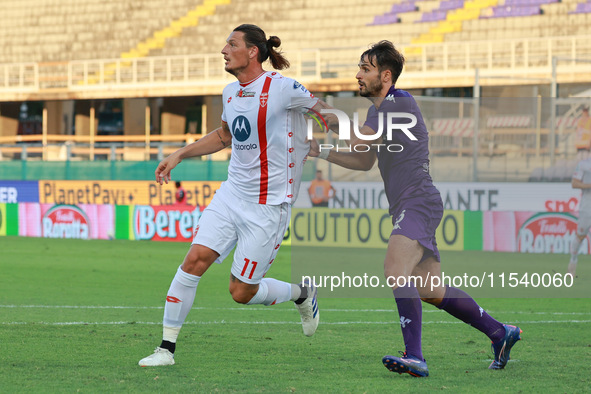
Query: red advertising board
{"type": "Point", "coordinates": [165, 222]}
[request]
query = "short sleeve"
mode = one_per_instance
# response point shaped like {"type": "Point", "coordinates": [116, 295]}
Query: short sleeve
{"type": "Point", "coordinates": [400, 105]}
{"type": "Point", "coordinates": [372, 119]}
{"type": "Point", "coordinates": [225, 97]}
{"type": "Point", "coordinates": [297, 96]}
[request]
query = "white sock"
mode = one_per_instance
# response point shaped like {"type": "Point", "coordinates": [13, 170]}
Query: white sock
{"type": "Point", "coordinates": [271, 292]}
{"type": "Point", "coordinates": [179, 301]}
{"type": "Point", "coordinates": [296, 292]}
{"type": "Point", "coordinates": [574, 249]}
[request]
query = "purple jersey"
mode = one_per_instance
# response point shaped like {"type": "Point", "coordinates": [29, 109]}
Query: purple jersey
{"type": "Point", "coordinates": [405, 173]}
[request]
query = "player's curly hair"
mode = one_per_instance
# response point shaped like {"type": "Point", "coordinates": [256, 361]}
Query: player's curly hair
{"type": "Point", "coordinates": [255, 36]}
{"type": "Point", "coordinates": [387, 57]}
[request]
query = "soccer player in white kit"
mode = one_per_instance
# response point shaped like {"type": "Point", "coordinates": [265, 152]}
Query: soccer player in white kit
{"type": "Point", "coordinates": [263, 120]}
{"type": "Point", "coordinates": [581, 180]}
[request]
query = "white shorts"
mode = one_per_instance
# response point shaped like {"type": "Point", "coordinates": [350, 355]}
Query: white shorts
{"type": "Point", "coordinates": [584, 223]}
{"type": "Point", "coordinates": [256, 230]}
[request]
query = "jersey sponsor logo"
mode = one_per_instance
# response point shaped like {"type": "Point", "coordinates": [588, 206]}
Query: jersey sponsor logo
{"type": "Point", "coordinates": [245, 146]}
{"type": "Point", "coordinates": [241, 128]}
{"type": "Point", "coordinates": [65, 221]}
{"type": "Point", "coordinates": [297, 85]}
{"type": "Point", "coordinates": [264, 97]}
{"type": "Point", "coordinates": [244, 93]}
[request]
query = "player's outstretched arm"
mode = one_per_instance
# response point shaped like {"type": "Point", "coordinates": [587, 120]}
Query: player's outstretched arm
{"type": "Point", "coordinates": [211, 143]}
{"type": "Point", "coordinates": [332, 122]}
{"type": "Point", "coordinates": [352, 160]}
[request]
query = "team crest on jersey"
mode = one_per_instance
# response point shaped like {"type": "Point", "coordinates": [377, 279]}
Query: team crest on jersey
{"type": "Point", "coordinates": [244, 93]}
{"type": "Point", "coordinates": [241, 128]}
{"type": "Point", "coordinates": [264, 97]}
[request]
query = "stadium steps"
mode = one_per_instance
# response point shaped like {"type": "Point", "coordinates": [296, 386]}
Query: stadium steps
{"type": "Point", "coordinates": [454, 20]}
{"type": "Point", "coordinates": [158, 38]}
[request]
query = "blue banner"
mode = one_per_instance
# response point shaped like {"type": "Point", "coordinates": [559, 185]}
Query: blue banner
{"type": "Point", "coordinates": [12, 192]}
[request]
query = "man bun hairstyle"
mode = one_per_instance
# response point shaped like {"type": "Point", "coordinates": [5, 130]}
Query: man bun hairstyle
{"type": "Point", "coordinates": [255, 36]}
{"type": "Point", "coordinates": [387, 57]}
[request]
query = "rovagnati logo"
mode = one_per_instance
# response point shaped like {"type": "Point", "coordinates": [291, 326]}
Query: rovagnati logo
{"type": "Point", "coordinates": [388, 122]}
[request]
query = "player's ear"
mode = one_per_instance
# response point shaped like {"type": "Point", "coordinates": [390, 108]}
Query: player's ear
{"type": "Point", "coordinates": [387, 77]}
{"type": "Point", "coordinates": [253, 52]}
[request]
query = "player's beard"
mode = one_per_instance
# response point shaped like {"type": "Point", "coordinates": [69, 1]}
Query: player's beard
{"type": "Point", "coordinates": [373, 89]}
{"type": "Point", "coordinates": [232, 71]}
{"type": "Point", "coordinates": [236, 69]}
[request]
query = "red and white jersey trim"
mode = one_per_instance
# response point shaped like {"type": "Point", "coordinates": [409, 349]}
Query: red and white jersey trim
{"type": "Point", "coordinates": [269, 147]}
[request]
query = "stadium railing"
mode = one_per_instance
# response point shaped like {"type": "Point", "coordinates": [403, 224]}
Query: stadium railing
{"type": "Point", "coordinates": [322, 69]}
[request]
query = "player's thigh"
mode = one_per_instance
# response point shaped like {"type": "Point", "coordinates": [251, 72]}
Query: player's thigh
{"type": "Point", "coordinates": [260, 234]}
{"type": "Point", "coordinates": [402, 256]}
{"type": "Point", "coordinates": [216, 229]}
{"type": "Point", "coordinates": [583, 224]}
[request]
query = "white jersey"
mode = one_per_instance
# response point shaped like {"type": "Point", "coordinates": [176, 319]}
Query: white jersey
{"type": "Point", "coordinates": [583, 174]}
{"type": "Point", "coordinates": [269, 148]}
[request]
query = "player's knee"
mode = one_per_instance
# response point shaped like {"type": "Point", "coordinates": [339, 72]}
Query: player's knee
{"type": "Point", "coordinates": [240, 296]}
{"type": "Point", "coordinates": [432, 301]}
{"type": "Point", "coordinates": [241, 292]}
{"type": "Point", "coordinates": [196, 261]}
{"type": "Point", "coordinates": [192, 262]}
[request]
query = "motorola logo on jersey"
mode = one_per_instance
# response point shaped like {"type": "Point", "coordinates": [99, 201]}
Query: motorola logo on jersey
{"type": "Point", "coordinates": [241, 128]}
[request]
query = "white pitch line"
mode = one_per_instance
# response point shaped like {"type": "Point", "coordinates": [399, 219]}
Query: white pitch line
{"type": "Point", "coordinates": [270, 309]}
{"type": "Point", "coordinates": [343, 323]}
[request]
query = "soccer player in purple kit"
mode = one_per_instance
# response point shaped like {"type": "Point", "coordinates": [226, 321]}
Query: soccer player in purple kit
{"type": "Point", "coordinates": [416, 208]}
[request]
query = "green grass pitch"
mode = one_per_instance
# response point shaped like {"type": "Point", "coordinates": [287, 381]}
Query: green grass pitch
{"type": "Point", "coordinates": [78, 315]}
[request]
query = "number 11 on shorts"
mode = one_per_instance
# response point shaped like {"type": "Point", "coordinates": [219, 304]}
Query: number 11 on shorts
{"type": "Point", "coordinates": [254, 266]}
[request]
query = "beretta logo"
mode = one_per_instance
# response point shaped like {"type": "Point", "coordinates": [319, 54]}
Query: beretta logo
{"type": "Point", "coordinates": [65, 221]}
{"type": "Point", "coordinates": [549, 232]}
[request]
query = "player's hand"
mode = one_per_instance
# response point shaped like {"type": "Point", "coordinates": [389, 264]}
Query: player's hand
{"type": "Point", "coordinates": [165, 167]}
{"type": "Point", "coordinates": [314, 148]}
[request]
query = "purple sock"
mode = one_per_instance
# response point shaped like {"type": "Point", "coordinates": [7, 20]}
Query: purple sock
{"type": "Point", "coordinates": [410, 311]}
{"type": "Point", "coordinates": [460, 305]}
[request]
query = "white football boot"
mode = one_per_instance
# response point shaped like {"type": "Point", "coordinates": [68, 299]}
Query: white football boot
{"type": "Point", "coordinates": [159, 357]}
{"type": "Point", "coordinates": [309, 310]}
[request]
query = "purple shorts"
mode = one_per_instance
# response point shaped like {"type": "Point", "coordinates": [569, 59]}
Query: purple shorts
{"type": "Point", "coordinates": [418, 221]}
